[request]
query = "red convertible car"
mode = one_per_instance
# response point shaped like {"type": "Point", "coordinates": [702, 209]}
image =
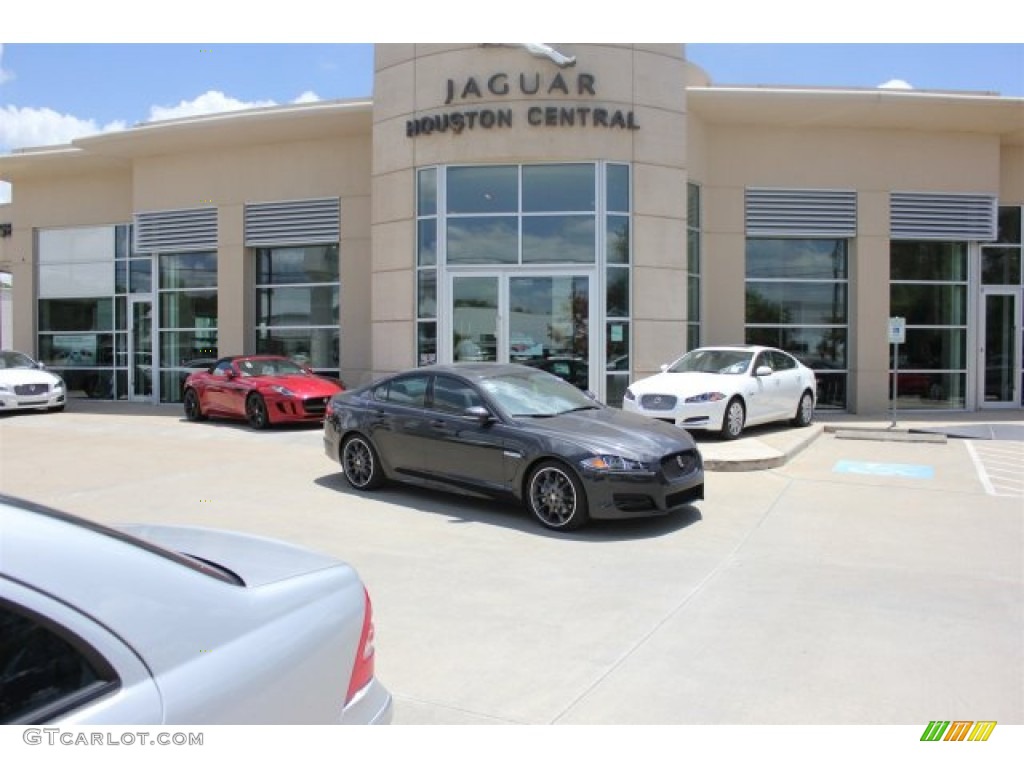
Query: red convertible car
{"type": "Point", "coordinates": [262, 389]}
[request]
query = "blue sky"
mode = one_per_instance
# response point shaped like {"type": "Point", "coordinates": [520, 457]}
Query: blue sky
{"type": "Point", "coordinates": [52, 92]}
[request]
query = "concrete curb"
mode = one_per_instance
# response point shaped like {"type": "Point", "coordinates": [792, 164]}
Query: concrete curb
{"type": "Point", "coordinates": [752, 454]}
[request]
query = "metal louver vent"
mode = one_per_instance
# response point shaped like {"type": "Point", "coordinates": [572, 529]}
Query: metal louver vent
{"type": "Point", "coordinates": [293, 222]}
{"type": "Point", "coordinates": [193, 229]}
{"type": "Point", "coordinates": [930, 216]}
{"type": "Point", "coordinates": [801, 212]}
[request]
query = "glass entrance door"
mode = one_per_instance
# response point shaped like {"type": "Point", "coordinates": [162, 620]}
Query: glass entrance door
{"type": "Point", "coordinates": [1000, 348]}
{"type": "Point", "coordinates": [542, 320]}
{"type": "Point", "coordinates": [140, 349]}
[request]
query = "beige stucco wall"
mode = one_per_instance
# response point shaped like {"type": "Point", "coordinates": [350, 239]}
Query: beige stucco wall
{"type": "Point", "coordinates": [97, 198]}
{"type": "Point", "coordinates": [411, 82]}
{"type": "Point", "coordinates": [1011, 190]}
{"type": "Point", "coordinates": [230, 178]}
{"type": "Point", "coordinates": [871, 162]}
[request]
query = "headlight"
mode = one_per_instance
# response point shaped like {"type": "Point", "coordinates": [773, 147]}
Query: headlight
{"type": "Point", "coordinates": [629, 394]}
{"type": "Point", "coordinates": [283, 391]}
{"type": "Point", "coordinates": [707, 397]}
{"type": "Point", "coordinates": [613, 464]}
{"type": "Point", "coordinates": [59, 384]}
{"type": "Point", "coordinates": [7, 388]}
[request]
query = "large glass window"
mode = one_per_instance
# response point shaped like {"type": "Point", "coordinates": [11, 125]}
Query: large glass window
{"type": "Point", "coordinates": [928, 287]}
{"type": "Point", "coordinates": [80, 322]}
{"type": "Point", "coordinates": [188, 316]}
{"type": "Point", "coordinates": [693, 254]}
{"type": "Point", "coordinates": [796, 300]}
{"type": "Point", "coordinates": [512, 216]}
{"type": "Point", "coordinates": [298, 302]}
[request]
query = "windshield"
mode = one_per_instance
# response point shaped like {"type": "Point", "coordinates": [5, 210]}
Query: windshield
{"type": "Point", "coordinates": [270, 367]}
{"type": "Point", "coordinates": [534, 393]}
{"type": "Point", "coordinates": [727, 361]}
{"type": "Point", "coordinates": [16, 360]}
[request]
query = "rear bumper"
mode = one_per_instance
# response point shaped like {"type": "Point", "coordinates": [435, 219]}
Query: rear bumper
{"type": "Point", "coordinates": [371, 706]}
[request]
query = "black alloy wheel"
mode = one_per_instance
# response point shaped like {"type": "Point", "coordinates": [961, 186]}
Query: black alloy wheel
{"type": "Point", "coordinates": [555, 496]}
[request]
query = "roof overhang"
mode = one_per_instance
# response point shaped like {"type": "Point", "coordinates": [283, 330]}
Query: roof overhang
{"type": "Point", "coordinates": [927, 111]}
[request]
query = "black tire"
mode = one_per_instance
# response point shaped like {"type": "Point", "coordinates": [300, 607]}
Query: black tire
{"type": "Point", "coordinates": [360, 463]}
{"type": "Point", "coordinates": [256, 411]}
{"type": "Point", "coordinates": [733, 420]}
{"type": "Point", "coordinates": [193, 408]}
{"type": "Point", "coordinates": [804, 410]}
{"type": "Point", "coordinates": [555, 497]}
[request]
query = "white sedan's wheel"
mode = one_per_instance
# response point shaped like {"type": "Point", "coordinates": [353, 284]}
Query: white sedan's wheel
{"type": "Point", "coordinates": [804, 411]}
{"type": "Point", "coordinates": [734, 419]}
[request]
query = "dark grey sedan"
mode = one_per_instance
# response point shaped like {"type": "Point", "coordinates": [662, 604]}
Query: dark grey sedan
{"type": "Point", "coordinates": [511, 431]}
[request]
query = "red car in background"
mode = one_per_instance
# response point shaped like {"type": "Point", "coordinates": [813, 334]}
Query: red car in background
{"type": "Point", "coordinates": [262, 389]}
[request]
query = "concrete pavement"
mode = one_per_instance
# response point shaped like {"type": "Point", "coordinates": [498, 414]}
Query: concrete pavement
{"type": "Point", "coordinates": [854, 581]}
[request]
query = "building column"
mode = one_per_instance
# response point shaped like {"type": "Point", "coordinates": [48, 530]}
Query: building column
{"type": "Point", "coordinates": [869, 307]}
{"type": "Point", "coordinates": [235, 315]}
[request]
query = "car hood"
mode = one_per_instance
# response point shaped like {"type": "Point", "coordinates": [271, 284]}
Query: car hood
{"type": "Point", "coordinates": [16, 376]}
{"type": "Point", "coordinates": [686, 384]}
{"type": "Point", "coordinates": [307, 386]}
{"type": "Point", "coordinates": [610, 431]}
{"type": "Point", "coordinates": [257, 561]}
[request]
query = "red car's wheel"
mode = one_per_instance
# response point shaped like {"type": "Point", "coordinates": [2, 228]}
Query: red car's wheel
{"type": "Point", "coordinates": [256, 411]}
{"type": "Point", "coordinates": [193, 408]}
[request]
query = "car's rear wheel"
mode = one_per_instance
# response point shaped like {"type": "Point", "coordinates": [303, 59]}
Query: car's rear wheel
{"type": "Point", "coordinates": [193, 408]}
{"type": "Point", "coordinates": [555, 496]}
{"type": "Point", "coordinates": [804, 411]}
{"type": "Point", "coordinates": [734, 419]}
{"type": "Point", "coordinates": [256, 412]}
{"type": "Point", "coordinates": [360, 463]}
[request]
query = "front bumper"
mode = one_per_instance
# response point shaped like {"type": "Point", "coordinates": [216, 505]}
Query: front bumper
{"type": "Point", "coordinates": [618, 495]}
{"type": "Point", "coordinates": [13, 402]}
{"type": "Point", "coordinates": [685, 415]}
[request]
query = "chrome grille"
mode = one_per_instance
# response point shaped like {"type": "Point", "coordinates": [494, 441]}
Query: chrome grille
{"type": "Point", "coordinates": [31, 389]}
{"type": "Point", "coordinates": [658, 402]}
{"type": "Point", "coordinates": [680, 464]}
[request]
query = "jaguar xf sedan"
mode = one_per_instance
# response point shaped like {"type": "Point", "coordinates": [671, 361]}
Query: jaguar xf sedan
{"type": "Point", "coordinates": [261, 389]}
{"type": "Point", "coordinates": [177, 625]}
{"type": "Point", "coordinates": [512, 431]}
{"type": "Point", "coordinates": [725, 389]}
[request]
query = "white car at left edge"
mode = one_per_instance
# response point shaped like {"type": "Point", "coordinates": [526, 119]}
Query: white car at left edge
{"type": "Point", "coordinates": [25, 384]}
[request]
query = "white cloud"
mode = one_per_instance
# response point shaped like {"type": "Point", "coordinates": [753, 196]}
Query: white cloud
{"type": "Point", "coordinates": [36, 127]}
{"type": "Point", "coordinates": [212, 102]}
{"type": "Point", "coordinates": [5, 76]}
{"type": "Point", "coordinates": [204, 104]}
{"type": "Point", "coordinates": [897, 85]}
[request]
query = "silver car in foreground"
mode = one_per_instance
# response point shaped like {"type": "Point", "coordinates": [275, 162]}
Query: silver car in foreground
{"type": "Point", "coordinates": [169, 625]}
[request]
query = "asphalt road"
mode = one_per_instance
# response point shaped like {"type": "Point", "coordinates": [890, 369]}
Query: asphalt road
{"type": "Point", "coordinates": [863, 582]}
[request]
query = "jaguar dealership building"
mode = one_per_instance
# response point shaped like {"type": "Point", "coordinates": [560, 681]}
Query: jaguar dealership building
{"type": "Point", "coordinates": [594, 209]}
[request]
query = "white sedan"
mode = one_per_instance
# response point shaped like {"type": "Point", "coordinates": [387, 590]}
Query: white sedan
{"type": "Point", "coordinates": [25, 384]}
{"type": "Point", "coordinates": [725, 389]}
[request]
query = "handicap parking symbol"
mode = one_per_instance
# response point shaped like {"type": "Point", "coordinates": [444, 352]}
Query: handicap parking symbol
{"type": "Point", "coordinates": [880, 469]}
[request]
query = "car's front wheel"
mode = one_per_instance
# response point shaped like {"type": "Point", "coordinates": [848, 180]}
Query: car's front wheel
{"type": "Point", "coordinates": [804, 411]}
{"type": "Point", "coordinates": [360, 463]}
{"type": "Point", "coordinates": [193, 408]}
{"type": "Point", "coordinates": [256, 411]}
{"type": "Point", "coordinates": [734, 419]}
{"type": "Point", "coordinates": [555, 496]}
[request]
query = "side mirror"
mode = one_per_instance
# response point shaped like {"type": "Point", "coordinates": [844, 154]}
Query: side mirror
{"type": "Point", "coordinates": [478, 413]}
{"type": "Point", "coordinates": [763, 370]}
{"type": "Point", "coordinates": [590, 395]}
{"type": "Point", "coordinates": [231, 373]}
